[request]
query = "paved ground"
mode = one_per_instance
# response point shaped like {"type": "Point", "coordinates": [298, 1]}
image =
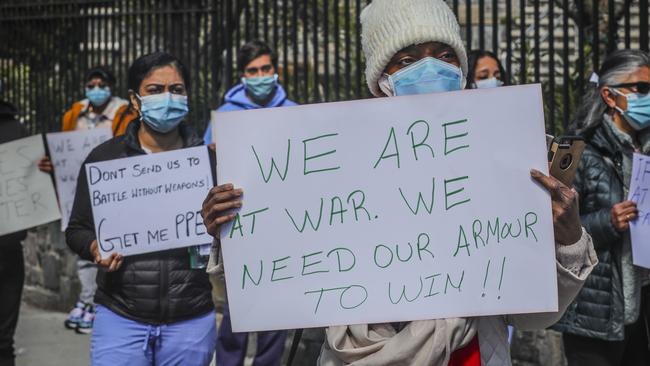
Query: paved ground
{"type": "Point", "coordinates": [41, 339]}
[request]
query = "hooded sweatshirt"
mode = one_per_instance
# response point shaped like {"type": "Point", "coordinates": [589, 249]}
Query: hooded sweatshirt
{"type": "Point", "coordinates": [237, 100]}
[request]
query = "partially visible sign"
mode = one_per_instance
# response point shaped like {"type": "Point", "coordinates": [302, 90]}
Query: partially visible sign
{"type": "Point", "coordinates": [150, 203]}
{"type": "Point", "coordinates": [27, 196]}
{"type": "Point", "coordinates": [68, 150]}
{"type": "Point", "coordinates": [640, 228]}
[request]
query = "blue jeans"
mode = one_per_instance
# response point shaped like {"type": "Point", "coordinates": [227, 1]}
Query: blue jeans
{"type": "Point", "coordinates": [87, 273]}
{"type": "Point", "coordinates": [231, 347]}
{"type": "Point", "coordinates": [120, 341]}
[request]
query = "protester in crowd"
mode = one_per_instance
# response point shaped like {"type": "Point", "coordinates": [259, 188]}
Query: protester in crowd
{"type": "Point", "coordinates": [12, 265]}
{"type": "Point", "coordinates": [608, 323]}
{"type": "Point", "coordinates": [259, 87]}
{"type": "Point", "coordinates": [99, 110]}
{"type": "Point", "coordinates": [416, 48]}
{"type": "Point", "coordinates": [485, 70]}
{"type": "Point", "coordinates": [152, 309]}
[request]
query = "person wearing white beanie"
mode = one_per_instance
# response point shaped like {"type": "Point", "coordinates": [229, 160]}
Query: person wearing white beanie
{"type": "Point", "coordinates": [394, 34]}
{"type": "Point", "coordinates": [415, 47]}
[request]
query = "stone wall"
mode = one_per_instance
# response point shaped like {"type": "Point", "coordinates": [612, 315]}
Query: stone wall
{"type": "Point", "coordinates": [50, 269]}
{"type": "Point", "coordinates": [51, 283]}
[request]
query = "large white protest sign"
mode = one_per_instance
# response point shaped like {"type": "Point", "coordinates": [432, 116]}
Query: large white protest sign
{"type": "Point", "coordinates": [640, 228]}
{"type": "Point", "coordinates": [390, 209]}
{"type": "Point", "coordinates": [27, 196]}
{"type": "Point", "coordinates": [150, 203]}
{"type": "Point", "coordinates": [68, 150]}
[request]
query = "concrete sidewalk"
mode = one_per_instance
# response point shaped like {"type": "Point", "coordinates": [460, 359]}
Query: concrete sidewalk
{"type": "Point", "coordinates": [41, 339]}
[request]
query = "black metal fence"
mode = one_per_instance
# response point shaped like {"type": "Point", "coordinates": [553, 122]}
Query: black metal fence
{"type": "Point", "coordinates": [46, 45]}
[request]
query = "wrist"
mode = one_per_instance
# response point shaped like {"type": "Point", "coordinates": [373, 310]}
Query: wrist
{"type": "Point", "coordinates": [571, 237]}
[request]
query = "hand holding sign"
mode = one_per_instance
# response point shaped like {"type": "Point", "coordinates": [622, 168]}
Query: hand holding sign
{"type": "Point", "coordinates": [566, 218]}
{"type": "Point", "coordinates": [217, 207]}
{"type": "Point", "coordinates": [111, 264]}
{"type": "Point", "coordinates": [622, 214]}
{"type": "Point", "coordinates": [45, 165]}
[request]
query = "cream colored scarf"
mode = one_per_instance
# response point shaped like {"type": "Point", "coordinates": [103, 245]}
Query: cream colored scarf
{"type": "Point", "coordinates": [423, 342]}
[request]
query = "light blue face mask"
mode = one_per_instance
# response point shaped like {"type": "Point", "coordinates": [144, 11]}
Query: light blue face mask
{"type": "Point", "coordinates": [163, 112]}
{"type": "Point", "coordinates": [428, 75]}
{"type": "Point", "coordinates": [98, 96]}
{"type": "Point", "coordinates": [260, 87]}
{"type": "Point", "coordinates": [638, 109]}
{"type": "Point", "coordinates": [488, 83]}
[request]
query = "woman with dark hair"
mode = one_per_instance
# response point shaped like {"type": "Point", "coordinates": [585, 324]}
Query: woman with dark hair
{"type": "Point", "coordinates": [484, 70]}
{"type": "Point", "coordinates": [148, 304]}
{"type": "Point", "coordinates": [608, 322]}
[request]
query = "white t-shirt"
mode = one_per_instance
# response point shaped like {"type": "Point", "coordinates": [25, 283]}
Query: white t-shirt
{"type": "Point", "coordinates": [88, 120]}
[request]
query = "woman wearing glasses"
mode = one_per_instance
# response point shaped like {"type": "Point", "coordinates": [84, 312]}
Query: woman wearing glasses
{"type": "Point", "coordinates": [608, 322]}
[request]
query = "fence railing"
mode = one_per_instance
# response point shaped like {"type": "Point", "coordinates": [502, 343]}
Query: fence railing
{"type": "Point", "coordinates": [47, 45]}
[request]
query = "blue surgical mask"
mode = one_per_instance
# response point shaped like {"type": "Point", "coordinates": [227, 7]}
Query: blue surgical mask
{"type": "Point", "coordinates": [163, 112]}
{"type": "Point", "coordinates": [488, 83]}
{"type": "Point", "coordinates": [428, 75]}
{"type": "Point", "coordinates": [260, 87]}
{"type": "Point", "coordinates": [98, 96]}
{"type": "Point", "coordinates": [638, 109]}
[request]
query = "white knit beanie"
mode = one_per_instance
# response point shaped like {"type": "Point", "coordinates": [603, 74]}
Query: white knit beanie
{"type": "Point", "coordinates": [388, 26]}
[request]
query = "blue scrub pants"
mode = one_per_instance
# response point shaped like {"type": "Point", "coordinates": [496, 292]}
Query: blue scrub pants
{"type": "Point", "coordinates": [120, 341]}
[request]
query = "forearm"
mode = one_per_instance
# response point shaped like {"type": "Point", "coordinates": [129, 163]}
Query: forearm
{"type": "Point", "coordinates": [79, 240]}
{"type": "Point", "coordinates": [215, 263]}
{"type": "Point", "coordinates": [80, 232]}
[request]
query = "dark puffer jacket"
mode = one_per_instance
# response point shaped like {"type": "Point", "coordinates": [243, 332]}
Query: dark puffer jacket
{"type": "Point", "coordinates": [155, 288]}
{"type": "Point", "coordinates": [598, 310]}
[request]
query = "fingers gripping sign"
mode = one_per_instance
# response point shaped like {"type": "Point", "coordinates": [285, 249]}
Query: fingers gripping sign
{"type": "Point", "coordinates": [111, 264]}
{"type": "Point", "coordinates": [218, 205]}
{"type": "Point", "coordinates": [564, 200]}
{"type": "Point", "coordinates": [622, 213]}
{"type": "Point", "coordinates": [45, 165]}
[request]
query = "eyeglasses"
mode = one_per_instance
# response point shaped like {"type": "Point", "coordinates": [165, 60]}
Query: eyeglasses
{"type": "Point", "coordinates": [641, 87]}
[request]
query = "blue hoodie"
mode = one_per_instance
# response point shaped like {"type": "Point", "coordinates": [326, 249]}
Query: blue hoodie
{"type": "Point", "coordinates": [237, 100]}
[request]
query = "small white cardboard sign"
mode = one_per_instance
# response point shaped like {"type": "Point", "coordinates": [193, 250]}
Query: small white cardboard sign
{"type": "Point", "coordinates": [150, 203]}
